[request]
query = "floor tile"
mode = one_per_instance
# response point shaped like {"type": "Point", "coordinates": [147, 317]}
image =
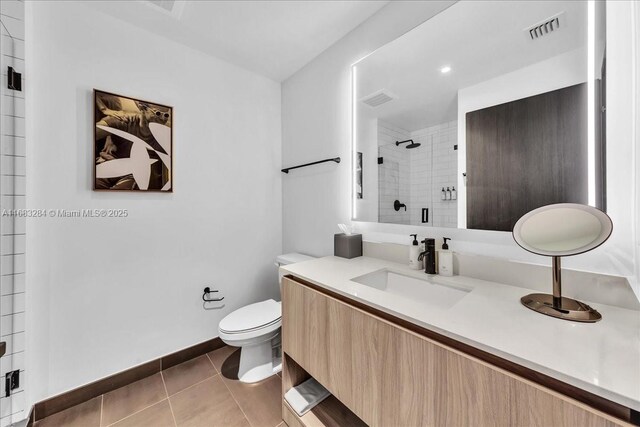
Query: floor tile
{"type": "Point", "coordinates": [226, 358]}
{"type": "Point", "coordinates": [86, 414]}
{"type": "Point", "coordinates": [132, 398]}
{"type": "Point", "coordinates": [186, 374]}
{"type": "Point", "coordinates": [261, 402]}
{"type": "Point", "coordinates": [208, 403]}
{"type": "Point", "coordinates": [158, 415]}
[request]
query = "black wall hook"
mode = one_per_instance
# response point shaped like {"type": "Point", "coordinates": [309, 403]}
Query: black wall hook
{"type": "Point", "coordinates": [206, 293]}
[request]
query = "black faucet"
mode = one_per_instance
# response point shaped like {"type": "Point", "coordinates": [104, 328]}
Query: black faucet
{"type": "Point", "coordinates": [429, 256]}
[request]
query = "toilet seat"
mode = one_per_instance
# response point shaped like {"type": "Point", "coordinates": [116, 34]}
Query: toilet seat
{"type": "Point", "coordinates": [252, 320]}
{"type": "Point", "coordinates": [256, 330]}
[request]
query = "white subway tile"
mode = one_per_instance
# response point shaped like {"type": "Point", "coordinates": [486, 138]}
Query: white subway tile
{"type": "Point", "coordinates": [11, 264]}
{"type": "Point", "coordinates": [12, 105]}
{"type": "Point", "coordinates": [12, 165]}
{"type": "Point", "coordinates": [15, 27]}
{"type": "Point", "coordinates": [13, 283]}
{"type": "Point", "coordinates": [10, 145]}
{"type": "Point", "coordinates": [10, 185]}
{"type": "Point", "coordinates": [13, 126]}
{"type": "Point", "coordinates": [12, 405]}
{"type": "Point", "coordinates": [11, 47]}
{"type": "Point", "coordinates": [13, 323]}
{"type": "Point", "coordinates": [12, 8]}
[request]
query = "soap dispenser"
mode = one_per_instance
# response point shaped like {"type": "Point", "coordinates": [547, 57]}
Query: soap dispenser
{"type": "Point", "coordinates": [445, 259]}
{"type": "Point", "coordinates": [414, 254]}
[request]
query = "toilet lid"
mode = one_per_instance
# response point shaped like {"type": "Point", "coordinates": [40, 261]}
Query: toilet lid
{"type": "Point", "coordinates": [252, 316]}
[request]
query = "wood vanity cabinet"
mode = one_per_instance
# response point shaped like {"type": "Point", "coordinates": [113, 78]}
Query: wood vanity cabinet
{"type": "Point", "coordinates": [388, 375]}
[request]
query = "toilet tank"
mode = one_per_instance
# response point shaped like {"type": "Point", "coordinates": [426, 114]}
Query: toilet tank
{"type": "Point", "coordinates": [287, 259]}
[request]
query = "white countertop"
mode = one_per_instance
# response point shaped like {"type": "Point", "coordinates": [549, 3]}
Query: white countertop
{"type": "Point", "coordinates": [602, 358]}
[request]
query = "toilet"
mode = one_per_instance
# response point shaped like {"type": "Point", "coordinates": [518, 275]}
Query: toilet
{"type": "Point", "coordinates": [255, 328]}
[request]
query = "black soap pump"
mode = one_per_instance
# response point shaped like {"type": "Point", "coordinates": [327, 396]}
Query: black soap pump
{"type": "Point", "coordinates": [414, 253]}
{"type": "Point", "coordinates": [445, 246]}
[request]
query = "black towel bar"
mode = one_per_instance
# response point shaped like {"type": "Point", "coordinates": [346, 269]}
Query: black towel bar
{"type": "Point", "coordinates": [335, 159]}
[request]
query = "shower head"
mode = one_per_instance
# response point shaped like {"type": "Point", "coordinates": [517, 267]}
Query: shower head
{"type": "Point", "coordinates": [410, 146]}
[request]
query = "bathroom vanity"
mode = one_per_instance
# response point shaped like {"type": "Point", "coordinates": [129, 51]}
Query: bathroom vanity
{"type": "Point", "coordinates": [396, 347]}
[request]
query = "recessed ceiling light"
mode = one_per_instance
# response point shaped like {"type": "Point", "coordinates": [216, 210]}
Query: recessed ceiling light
{"type": "Point", "coordinates": [446, 69]}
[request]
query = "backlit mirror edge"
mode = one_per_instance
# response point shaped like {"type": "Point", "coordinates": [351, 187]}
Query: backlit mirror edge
{"type": "Point", "coordinates": [461, 202]}
{"type": "Point", "coordinates": [621, 257]}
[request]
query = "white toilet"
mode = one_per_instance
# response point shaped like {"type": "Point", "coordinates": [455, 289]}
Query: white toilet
{"type": "Point", "coordinates": [256, 329]}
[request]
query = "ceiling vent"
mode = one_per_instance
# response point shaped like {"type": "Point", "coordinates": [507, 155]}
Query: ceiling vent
{"type": "Point", "coordinates": [170, 7]}
{"type": "Point", "coordinates": [545, 27]}
{"type": "Point", "coordinates": [378, 98]}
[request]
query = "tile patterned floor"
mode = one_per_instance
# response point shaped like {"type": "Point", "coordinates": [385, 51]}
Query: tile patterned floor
{"type": "Point", "coordinates": [201, 392]}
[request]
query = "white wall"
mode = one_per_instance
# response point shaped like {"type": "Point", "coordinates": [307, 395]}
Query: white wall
{"type": "Point", "coordinates": [316, 123]}
{"type": "Point", "coordinates": [112, 293]}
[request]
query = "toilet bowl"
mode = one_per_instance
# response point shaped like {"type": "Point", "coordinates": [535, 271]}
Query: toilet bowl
{"type": "Point", "coordinates": [255, 328]}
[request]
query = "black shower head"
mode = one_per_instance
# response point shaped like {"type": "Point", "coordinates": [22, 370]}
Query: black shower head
{"type": "Point", "coordinates": [410, 146]}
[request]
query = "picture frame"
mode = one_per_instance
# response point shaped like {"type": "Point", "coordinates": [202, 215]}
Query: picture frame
{"type": "Point", "coordinates": [133, 144]}
{"type": "Point", "coordinates": [359, 181]}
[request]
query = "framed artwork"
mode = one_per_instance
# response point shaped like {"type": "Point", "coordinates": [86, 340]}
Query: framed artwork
{"type": "Point", "coordinates": [133, 144]}
{"type": "Point", "coordinates": [359, 190]}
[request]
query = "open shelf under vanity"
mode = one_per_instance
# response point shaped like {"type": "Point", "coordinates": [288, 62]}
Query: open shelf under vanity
{"type": "Point", "coordinates": [329, 413]}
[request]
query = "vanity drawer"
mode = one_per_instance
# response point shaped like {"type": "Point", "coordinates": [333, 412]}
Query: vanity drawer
{"type": "Point", "coordinates": [391, 376]}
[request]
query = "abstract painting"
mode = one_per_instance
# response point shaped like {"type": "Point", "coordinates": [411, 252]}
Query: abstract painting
{"type": "Point", "coordinates": [359, 189]}
{"type": "Point", "coordinates": [133, 144]}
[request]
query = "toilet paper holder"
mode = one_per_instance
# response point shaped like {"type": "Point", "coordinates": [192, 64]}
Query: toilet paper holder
{"type": "Point", "coordinates": [206, 293]}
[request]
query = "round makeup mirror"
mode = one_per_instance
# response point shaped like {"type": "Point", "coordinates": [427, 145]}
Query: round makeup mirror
{"type": "Point", "coordinates": [559, 230]}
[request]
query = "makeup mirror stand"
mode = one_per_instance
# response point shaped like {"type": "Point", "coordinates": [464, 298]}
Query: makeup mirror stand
{"type": "Point", "coordinates": [558, 306]}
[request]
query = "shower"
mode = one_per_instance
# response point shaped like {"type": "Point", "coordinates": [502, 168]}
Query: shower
{"type": "Point", "coordinates": [412, 145]}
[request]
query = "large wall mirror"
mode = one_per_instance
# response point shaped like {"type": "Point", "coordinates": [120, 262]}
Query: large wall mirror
{"type": "Point", "coordinates": [481, 114]}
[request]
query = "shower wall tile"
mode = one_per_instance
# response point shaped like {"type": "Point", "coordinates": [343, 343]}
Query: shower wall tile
{"type": "Point", "coordinates": [417, 176]}
{"type": "Point", "coordinates": [393, 174]}
{"type": "Point", "coordinates": [12, 284]}
{"type": "Point", "coordinates": [434, 165]}
{"type": "Point", "coordinates": [13, 146]}
{"type": "Point", "coordinates": [12, 196]}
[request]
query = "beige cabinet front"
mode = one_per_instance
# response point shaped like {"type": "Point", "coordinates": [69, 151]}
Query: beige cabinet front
{"type": "Point", "coordinates": [390, 376]}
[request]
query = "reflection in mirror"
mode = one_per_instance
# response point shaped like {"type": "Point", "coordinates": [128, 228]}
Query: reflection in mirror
{"type": "Point", "coordinates": [475, 125]}
{"type": "Point", "coordinates": [562, 230]}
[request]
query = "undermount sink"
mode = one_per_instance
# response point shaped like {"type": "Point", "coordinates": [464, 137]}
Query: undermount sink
{"type": "Point", "coordinates": [425, 291]}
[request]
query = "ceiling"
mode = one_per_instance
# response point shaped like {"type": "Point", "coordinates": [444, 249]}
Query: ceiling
{"type": "Point", "coordinates": [478, 40]}
{"type": "Point", "coordinates": [271, 38]}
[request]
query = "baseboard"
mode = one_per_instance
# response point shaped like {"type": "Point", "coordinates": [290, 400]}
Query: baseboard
{"type": "Point", "coordinates": [86, 392]}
